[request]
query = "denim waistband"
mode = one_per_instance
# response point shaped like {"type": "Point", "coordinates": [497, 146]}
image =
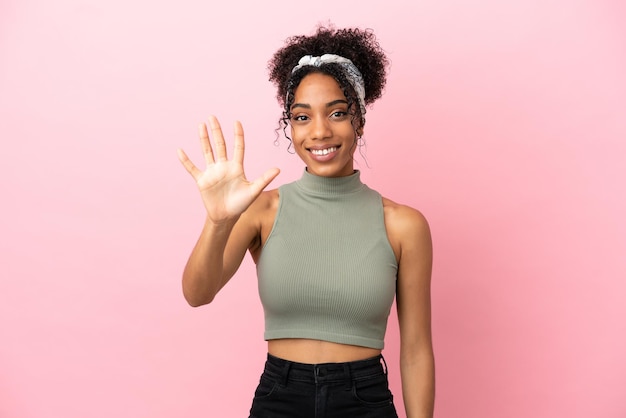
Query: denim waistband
{"type": "Point", "coordinates": [286, 370]}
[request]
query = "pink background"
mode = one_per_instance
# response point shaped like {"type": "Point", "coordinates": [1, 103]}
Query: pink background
{"type": "Point", "coordinates": [504, 122]}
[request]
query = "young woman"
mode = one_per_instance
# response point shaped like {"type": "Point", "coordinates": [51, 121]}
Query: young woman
{"type": "Point", "coordinates": [331, 253]}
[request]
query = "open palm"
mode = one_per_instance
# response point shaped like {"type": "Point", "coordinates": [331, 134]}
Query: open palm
{"type": "Point", "coordinates": [225, 191]}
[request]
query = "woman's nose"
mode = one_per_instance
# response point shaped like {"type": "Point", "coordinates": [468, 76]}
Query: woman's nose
{"type": "Point", "coordinates": [321, 129]}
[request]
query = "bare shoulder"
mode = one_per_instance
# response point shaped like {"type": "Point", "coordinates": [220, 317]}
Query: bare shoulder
{"type": "Point", "coordinates": [267, 200]}
{"type": "Point", "coordinates": [260, 217]}
{"type": "Point", "coordinates": [407, 228]}
{"type": "Point", "coordinates": [400, 217]}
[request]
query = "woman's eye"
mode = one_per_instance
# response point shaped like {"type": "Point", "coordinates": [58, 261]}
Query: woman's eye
{"type": "Point", "coordinates": [299, 118]}
{"type": "Point", "coordinates": [339, 114]}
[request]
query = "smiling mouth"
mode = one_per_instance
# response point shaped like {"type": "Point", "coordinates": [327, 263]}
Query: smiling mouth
{"type": "Point", "coordinates": [324, 151]}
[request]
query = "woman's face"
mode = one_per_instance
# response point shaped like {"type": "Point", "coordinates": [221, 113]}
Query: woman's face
{"type": "Point", "coordinates": [321, 128]}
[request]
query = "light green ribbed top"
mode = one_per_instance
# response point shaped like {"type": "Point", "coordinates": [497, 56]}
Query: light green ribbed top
{"type": "Point", "coordinates": [327, 270]}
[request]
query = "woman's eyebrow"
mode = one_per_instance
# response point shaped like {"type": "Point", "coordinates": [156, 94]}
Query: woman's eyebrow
{"type": "Point", "coordinates": [329, 104]}
{"type": "Point", "coordinates": [335, 102]}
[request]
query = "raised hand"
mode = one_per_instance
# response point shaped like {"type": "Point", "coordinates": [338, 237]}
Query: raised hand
{"type": "Point", "coordinates": [225, 191]}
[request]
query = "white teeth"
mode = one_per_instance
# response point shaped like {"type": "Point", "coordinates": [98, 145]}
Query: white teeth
{"type": "Point", "coordinates": [324, 151]}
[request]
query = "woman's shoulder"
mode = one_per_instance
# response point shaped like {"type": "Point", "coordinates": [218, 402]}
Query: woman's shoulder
{"type": "Point", "coordinates": [266, 203]}
{"type": "Point", "coordinates": [402, 214]}
{"type": "Point", "coordinates": [267, 199]}
{"type": "Point", "coordinates": [404, 224]}
{"type": "Point", "coordinates": [259, 218]}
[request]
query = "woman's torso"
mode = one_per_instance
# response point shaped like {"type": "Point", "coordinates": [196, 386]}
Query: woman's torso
{"type": "Point", "coordinates": [305, 350]}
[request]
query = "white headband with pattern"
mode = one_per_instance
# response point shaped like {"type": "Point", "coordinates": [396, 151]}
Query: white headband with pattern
{"type": "Point", "coordinates": [352, 73]}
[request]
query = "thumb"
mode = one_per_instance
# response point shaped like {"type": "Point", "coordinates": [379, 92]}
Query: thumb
{"type": "Point", "coordinates": [267, 177]}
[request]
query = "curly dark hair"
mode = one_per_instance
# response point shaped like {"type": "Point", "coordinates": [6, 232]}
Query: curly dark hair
{"type": "Point", "coordinates": [358, 45]}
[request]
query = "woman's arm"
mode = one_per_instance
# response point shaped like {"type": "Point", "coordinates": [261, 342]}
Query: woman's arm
{"type": "Point", "coordinates": [230, 227]}
{"type": "Point", "coordinates": [214, 259]}
{"type": "Point", "coordinates": [410, 231]}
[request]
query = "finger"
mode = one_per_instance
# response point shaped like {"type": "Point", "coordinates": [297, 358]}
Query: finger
{"type": "Point", "coordinates": [239, 143]}
{"type": "Point", "coordinates": [218, 138]}
{"type": "Point", "coordinates": [189, 166]}
{"type": "Point", "coordinates": [263, 181]}
{"type": "Point", "coordinates": [207, 151]}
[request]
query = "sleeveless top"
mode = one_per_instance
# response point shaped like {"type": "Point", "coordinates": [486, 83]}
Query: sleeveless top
{"type": "Point", "coordinates": [327, 270]}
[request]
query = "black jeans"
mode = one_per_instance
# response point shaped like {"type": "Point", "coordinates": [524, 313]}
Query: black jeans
{"type": "Point", "coordinates": [357, 389]}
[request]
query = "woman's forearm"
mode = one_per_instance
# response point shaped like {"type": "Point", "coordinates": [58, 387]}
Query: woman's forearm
{"type": "Point", "coordinates": [203, 276]}
{"type": "Point", "coordinates": [418, 384]}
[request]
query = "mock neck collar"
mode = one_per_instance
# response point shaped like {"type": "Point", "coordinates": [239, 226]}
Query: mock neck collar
{"type": "Point", "coordinates": [330, 185]}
